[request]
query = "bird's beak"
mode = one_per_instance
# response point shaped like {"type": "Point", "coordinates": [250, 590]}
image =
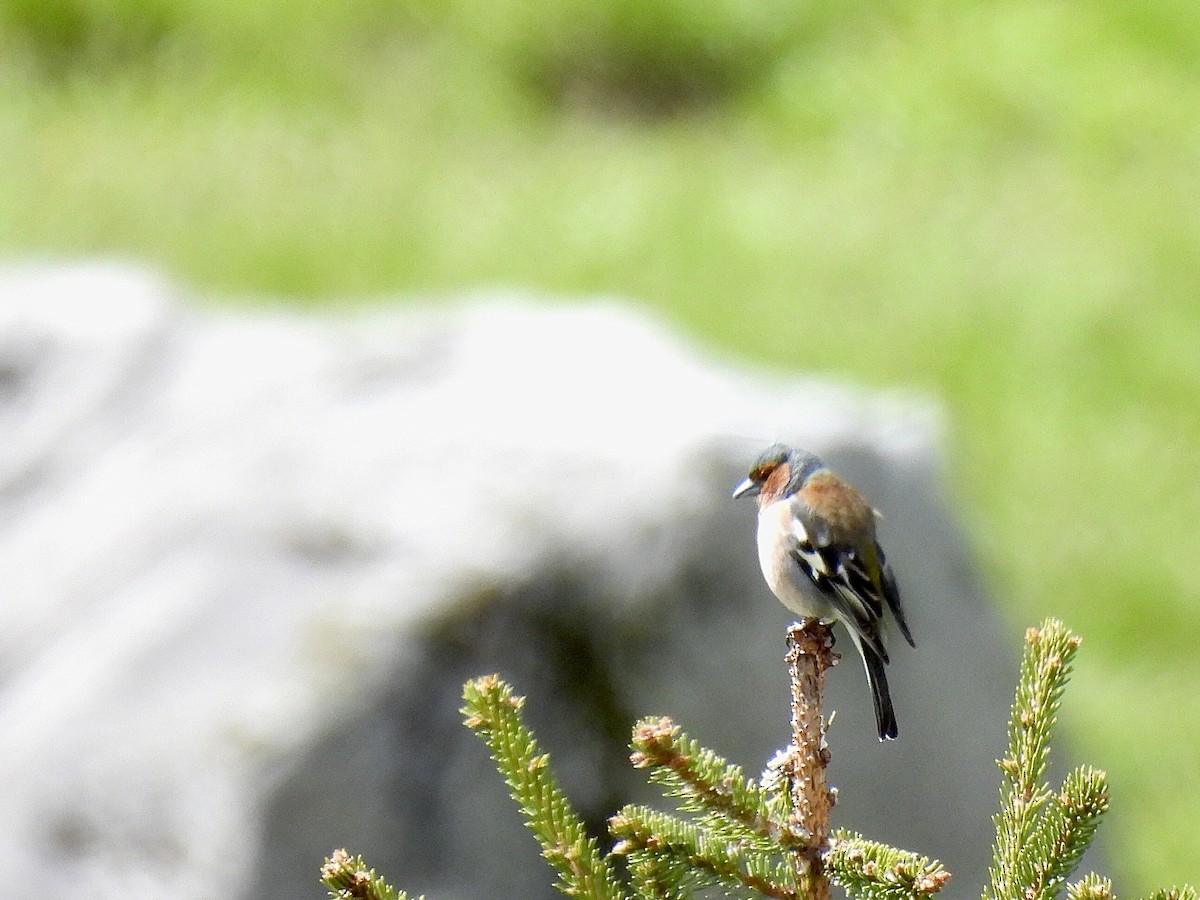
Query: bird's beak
{"type": "Point", "coordinates": [746, 489]}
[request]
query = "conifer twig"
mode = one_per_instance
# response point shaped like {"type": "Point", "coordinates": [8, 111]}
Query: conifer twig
{"type": "Point", "coordinates": [730, 803]}
{"type": "Point", "coordinates": [810, 654]}
{"type": "Point", "coordinates": [491, 709]}
{"type": "Point", "coordinates": [869, 870]}
{"type": "Point", "coordinates": [1035, 853]}
{"type": "Point", "coordinates": [1187, 892]}
{"type": "Point", "coordinates": [1091, 887]}
{"type": "Point", "coordinates": [1069, 823]}
{"type": "Point", "coordinates": [688, 855]}
{"type": "Point", "coordinates": [348, 878]}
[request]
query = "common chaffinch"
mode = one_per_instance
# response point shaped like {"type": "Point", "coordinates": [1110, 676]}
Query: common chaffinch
{"type": "Point", "coordinates": [820, 556]}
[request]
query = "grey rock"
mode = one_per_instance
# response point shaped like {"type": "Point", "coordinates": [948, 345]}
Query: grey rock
{"type": "Point", "coordinates": [248, 560]}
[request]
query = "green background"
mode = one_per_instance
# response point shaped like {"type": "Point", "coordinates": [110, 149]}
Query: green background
{"type": "Point", "coordinates": [994, 203]}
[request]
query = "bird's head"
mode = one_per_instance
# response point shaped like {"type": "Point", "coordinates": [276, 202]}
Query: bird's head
{"type": "Point", "coordinates": [779, 471]}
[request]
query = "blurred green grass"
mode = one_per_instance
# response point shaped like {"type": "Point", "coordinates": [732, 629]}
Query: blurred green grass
{"type": "Point", "coordinates": [995, 203]}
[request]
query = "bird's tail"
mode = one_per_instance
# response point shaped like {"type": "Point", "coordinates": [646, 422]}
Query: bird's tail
{"type": "Point", "coordinates": [885, 716]}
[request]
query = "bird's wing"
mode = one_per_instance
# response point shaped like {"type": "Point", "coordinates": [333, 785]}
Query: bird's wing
{"type": "Point", "coordinates": [849, 579]}
{"type": "Point", "coordinates": [891, 593]}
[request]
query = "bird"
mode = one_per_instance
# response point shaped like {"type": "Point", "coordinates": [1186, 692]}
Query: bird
{"type": "Point", "coordinates": [820, 556]}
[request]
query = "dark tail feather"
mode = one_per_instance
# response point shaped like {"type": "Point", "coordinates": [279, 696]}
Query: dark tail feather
{"type": "Point", "coordinates": [885, 716]}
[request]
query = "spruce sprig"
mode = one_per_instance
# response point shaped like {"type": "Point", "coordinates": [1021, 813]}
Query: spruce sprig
{"type": "Point", "coordinates": [348, 878]}
{"type": "Point", "coordinates": [1045, 668]}
{"type": "Point", "coordinates": [872, 871]}
{"type": "Point", "coordinates": [1069, 822]}
{"type": "Point", "coordinates": [1091, 887]}
{"type": "Point", "coordinates": [491, 709]}
{"type": "Point", "coordinates": [675, 857]}
{"type": "Point", "coordinates": [1041, 834]}
{"type": "Point", "coordinates": [1187, 892]}
{"type": "Point", "coordinates": [728, 803]}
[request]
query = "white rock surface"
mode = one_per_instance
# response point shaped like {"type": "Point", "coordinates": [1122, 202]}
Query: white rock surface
{"type": "Point", "coordinates": [248, 559]}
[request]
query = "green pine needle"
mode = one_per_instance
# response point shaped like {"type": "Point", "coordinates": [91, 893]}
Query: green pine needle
{"type": "Point", "coordinates": [348, 878]}
{"type": "Point", "coordinates": [1186, 892]}
{"type": "Point", "coordinates": [493, 711]}
{"type": "Point", "coordinates": [874, 871]}
{"type": "Point", "coordinates": [1067, 825]}
{"type": "Point", "coordinates": [1040, 834]}
{"type": "Point", "coordinates": [731, 805]}
{"type": "Point", "coordinates": [1091, 887]}
{"type": "Point", "coordinates": [1023, 851]}
{"type": "Point", "coordinates": [681, 857]}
